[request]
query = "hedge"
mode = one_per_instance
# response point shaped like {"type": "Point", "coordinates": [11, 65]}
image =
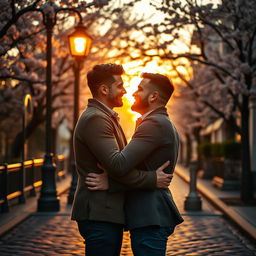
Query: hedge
{"type": "Point", "coordinates": [227, 149]}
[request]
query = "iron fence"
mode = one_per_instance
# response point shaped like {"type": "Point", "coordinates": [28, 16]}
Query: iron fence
{"type": "Point", "coordinates": [20, 180]}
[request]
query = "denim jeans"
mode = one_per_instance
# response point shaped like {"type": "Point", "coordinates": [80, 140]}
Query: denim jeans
{"type": "Point", "coordinates": [101, 238]}
{"type": "Point", "coordinates": [150, 241]}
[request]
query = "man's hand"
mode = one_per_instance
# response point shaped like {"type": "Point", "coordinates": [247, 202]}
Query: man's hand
{"type": "Point", "coordinates": [96, 181]}
{"type": "Point", "coordinates": [163, 179]}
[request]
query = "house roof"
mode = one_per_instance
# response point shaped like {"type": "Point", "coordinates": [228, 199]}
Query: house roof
{"type": "Point", "coordinates": [212, 127]}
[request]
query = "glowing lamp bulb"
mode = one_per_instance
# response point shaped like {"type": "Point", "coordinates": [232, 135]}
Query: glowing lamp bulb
{"type": "Point", "coordinates": [80, 44]}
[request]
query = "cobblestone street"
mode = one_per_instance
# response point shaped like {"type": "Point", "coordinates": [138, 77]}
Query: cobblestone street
{"type": "Point", "coordinates": [202, 233]}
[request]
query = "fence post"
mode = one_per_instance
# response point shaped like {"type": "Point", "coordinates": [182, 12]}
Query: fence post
{"type": "Point", "coordinates": [22, 199]}
{"type": "Point", "coordinates": [4, 192]}
{"type": "Point", "coordinates": [33, 191]}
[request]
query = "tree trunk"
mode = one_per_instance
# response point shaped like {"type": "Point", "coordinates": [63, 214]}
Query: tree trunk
{"type": "Point", "coordinates": [6, 144]}
{"type": "Point", "coordinates": [18, 141]}
{"type": "Point", "coordinates": [188, 149]}
{"type": "Point", "coordinates": [198, 141]}
{"type": "Point", "coordinates": [181, 152]}
{"type": "Point", "coordinates": [246, 192]}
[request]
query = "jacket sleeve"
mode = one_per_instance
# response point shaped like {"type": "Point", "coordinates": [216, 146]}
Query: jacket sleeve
{"type": "Point", "coordinates": [133, 179]}
{"type": "Point", "coordinates": [99, 136]}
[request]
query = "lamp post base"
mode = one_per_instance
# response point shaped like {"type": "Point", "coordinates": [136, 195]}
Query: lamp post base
{"type": "Point", "coordinates": [193, 203]}
{"type": "Point", "coordinates": [48, 204]}
{"type": "Point", "coordinates": [48, 201]}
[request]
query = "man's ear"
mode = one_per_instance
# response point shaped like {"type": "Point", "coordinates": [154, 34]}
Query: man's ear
{"type": "Point", "coordinates": [103, 89]}
{"type": "Point", "coordinates": [153, 97]}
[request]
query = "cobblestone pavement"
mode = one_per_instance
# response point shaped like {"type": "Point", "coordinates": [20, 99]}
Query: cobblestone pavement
{"type": "Point", "coordinates": [202, 233]}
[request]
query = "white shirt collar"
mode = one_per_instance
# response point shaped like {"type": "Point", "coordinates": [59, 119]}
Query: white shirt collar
{"type": "Point", "coordinates": [146, 114]}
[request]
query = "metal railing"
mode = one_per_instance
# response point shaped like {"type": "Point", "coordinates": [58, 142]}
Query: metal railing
{"type": "Point", "coordinates": [21, 179]}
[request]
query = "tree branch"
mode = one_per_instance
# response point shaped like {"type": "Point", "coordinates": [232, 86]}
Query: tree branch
{"type": "Point", "coordinates": [21, 79]}
{"type": "Point", "coordinates": [15, 18]}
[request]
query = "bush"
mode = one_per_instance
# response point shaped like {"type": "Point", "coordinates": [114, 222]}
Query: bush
{"type": "Point", "coordinates": [217, 150]}
{"type": "Point", "coordinates": [227, 149]}
{"type": "Point", "coordinates": [232, 150]}
{"type": "Point", "coordinates": [204, 149]}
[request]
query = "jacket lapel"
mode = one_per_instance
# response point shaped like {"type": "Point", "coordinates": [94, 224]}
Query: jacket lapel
{"type": "Point", "coordinates": [119, 134]}
{"type": "Point", "coordinates": [118, 131]}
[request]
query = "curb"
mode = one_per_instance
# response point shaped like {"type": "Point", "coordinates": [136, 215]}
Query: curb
{"type": "Point", "coordinates": [228, 211]}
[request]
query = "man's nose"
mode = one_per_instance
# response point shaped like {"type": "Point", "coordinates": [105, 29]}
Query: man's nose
{"type": "Point", "coordinates": [124, 91]}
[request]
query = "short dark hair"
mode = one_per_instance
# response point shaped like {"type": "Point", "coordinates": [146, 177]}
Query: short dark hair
{"type": "Point", "coordinates": [102, 73]}
{"type": "Point", "coordinates": [160, 83]}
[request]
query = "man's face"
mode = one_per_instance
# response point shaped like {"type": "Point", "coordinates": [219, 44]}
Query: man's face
{"type": "Point", "coordinates": [116, 92]}
{"type": "Point", "coordinates": [141, 104]}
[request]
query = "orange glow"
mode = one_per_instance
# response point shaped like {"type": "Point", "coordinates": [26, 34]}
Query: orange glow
{"type": "Point", "coordinates": [131, 81]}
{"type": "Point", "coordinates": [238, 137]}
{"type": "Point", "coordinates": [38, 183]}
{"type": "Point", "coordinates": [80, 44]}
{"type": "Point", "coordinates": [133, 70]}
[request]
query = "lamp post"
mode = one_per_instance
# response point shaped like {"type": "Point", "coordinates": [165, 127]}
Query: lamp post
{"type": "Point", "coordinates": [48, 200]}
{"type": "Point", "coordinates": [79, 45]}
{"type": "Point", "coordinates": [193, 201]}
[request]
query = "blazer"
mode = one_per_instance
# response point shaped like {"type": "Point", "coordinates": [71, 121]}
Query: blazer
{"type": "Point", "coordinates": [155, 140]}
{"type": "Point", "coordinates": [97, 135]}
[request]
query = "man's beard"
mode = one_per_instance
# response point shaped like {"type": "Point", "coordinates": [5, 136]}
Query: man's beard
{"type": "Point", "coordinates": [116, 100]}
{"type": "Point", "coordinates": [140, 105]}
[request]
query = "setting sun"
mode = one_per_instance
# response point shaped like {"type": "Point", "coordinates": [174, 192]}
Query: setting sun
{"type": "Point", "coordinates": [132, 79]}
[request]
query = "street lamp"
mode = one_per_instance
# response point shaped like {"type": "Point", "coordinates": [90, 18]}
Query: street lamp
{"type": "Point", "coordinates": [27, 113]}
{"type": "Point", "coordinates": [48, 200]}
{"type": "Point", "coordinates": [79, 46]}
{"type": "Point", "coordinates": [79, 42]}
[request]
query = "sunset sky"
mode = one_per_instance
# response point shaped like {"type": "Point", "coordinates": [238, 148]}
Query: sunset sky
{"type": "Point", "coordinates": [135, 68]}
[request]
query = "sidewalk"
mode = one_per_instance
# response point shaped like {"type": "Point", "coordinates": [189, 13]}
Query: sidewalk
{"type": "Point", "coordinates": [19, 213]}
{"type": "Point", "coordinates": [53, 233]}
{"type": "Point", "coordinates": [243, 216]}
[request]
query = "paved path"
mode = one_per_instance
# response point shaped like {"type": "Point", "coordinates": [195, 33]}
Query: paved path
{"type": "Point", "coordinates": [202, 233]}
{"type": "Point", "coordinates": [244, 215]}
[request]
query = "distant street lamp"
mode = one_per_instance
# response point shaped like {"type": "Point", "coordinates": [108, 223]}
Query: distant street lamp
{"type": "Point", "coordinates": [27, 113]}
{"type": "Point", "coordinates": [79, 45]}
{"type": "Point", "coordinates": [48, 200]}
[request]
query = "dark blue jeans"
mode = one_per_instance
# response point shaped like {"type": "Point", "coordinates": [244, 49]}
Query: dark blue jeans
{"type": "Point", "coordinates": [150, 241]}
{"type": "Point", "coordinates": [101, 238]}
